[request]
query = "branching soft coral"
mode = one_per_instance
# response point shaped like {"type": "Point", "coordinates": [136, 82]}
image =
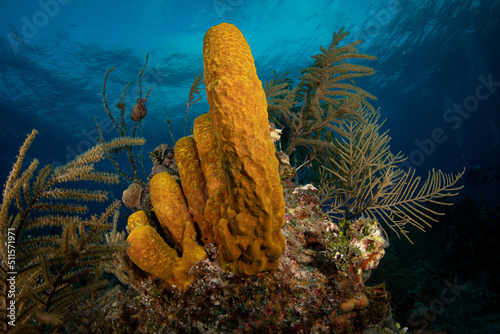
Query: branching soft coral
{"type": "Point", "coordinates": [326, 96]}
{"type": "Point", "coordinates": [362, 177]}
{"type": "Point", "coordinates": [56, 253]}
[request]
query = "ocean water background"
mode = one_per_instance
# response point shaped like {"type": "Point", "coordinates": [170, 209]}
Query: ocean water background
{"type": "Point", "coordinates": [432, 57]}
{"type": "Point", "coordinates": [437, 82]}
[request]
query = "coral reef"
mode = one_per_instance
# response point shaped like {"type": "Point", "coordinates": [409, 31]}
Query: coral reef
{"type": "Point", "coordinates": [240, 230]}
{"type": "Point", "coordinates": [223, 239]}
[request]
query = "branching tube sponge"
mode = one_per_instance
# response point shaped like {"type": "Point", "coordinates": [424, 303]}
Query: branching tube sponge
{"type": "Point", "coordinates": [229, 176]}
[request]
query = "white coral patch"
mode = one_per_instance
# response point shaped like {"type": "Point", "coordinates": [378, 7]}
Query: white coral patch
{"type": "Point", "coordinates": [275, 135]}
{"type": "Point", "coordinates": [304, 188]}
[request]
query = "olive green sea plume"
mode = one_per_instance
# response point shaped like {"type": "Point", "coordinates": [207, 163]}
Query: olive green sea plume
{"type": "Point", "coordinates": [52, 252]}
{"type": "Point", "coordinates": [329, 126]}
{"type": "Point", "coordinates": [312, 112]}
{"type": "Point", "coordinates": [362, 177]}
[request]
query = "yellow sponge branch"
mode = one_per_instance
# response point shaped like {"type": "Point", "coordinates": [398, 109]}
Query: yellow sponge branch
{"type": "Point", "coordinates": [170, 207]}
{"type": "Point", "coordinates": [138, 218]}
{"type": "Point", "coordinates": [193, 184]}
{"type": "Point", "coordinates": [212, 166]}
{"type": "Point", "coordinates": [150, 252]}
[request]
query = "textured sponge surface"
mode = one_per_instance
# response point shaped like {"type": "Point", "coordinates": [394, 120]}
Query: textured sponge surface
{"type": "Point", "coordinates": [251, 231]}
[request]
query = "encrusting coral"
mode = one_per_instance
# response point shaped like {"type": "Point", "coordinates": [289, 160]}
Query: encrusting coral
{"type": "Point", "coordinates": [232, 187]}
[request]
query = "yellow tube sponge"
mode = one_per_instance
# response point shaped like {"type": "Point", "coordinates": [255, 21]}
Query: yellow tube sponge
{"type": "Point", "coordinates": [210, 159]}
{"type": "Point", "coordinates": [212, 166]}
{"type": "Point", "coordinates": [136, 219]}
{"type": "Point", "coordinates": [251, 225]}
{"type": "Point", "coordinates": [170, 206]}
{"type": "Point", "coordinates": [193, 184]}
{"type": "Point", "coordinates": [148, 250]}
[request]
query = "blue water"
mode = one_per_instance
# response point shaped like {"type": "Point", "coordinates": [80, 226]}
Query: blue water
{"type": "Point", "coordinates": [432, 55]}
